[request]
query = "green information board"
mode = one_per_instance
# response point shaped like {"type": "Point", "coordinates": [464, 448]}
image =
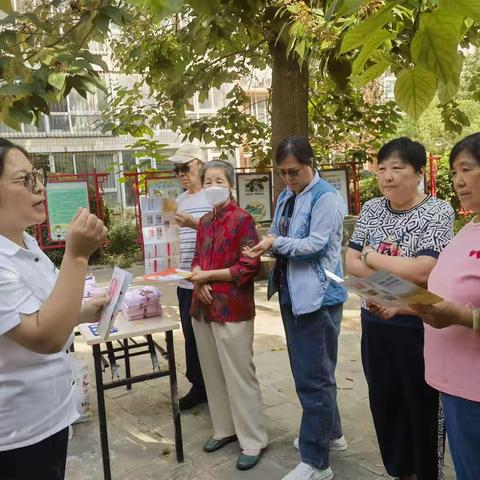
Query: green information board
{"type": "Point", "coordinates": [63, 201]}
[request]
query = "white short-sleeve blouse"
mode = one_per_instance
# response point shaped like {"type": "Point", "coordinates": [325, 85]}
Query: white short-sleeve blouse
{"type": "Point", "coordinates": [36, 390]}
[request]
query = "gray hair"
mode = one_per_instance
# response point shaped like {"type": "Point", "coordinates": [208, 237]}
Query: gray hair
{"type": "Point", "coordinates": [222, 165]}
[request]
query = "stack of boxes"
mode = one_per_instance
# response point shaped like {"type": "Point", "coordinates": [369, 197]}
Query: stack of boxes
{"type": "Point", "coordinates": [161, 235]}
{"type": "Point", "coordinates": [143, 302]}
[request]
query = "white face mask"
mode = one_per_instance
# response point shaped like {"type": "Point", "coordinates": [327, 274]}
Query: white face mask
{"type": "Point", "coordinates": [217, 195]}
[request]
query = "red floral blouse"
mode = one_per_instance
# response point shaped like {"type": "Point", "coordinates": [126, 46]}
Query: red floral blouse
{"type": "Point", "coordinates": [220, 239]}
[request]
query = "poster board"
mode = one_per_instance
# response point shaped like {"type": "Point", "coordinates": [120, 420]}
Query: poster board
{"type": "Point", "coordinates": [338, 178]}
{"type": "Point", "coordinates": [163, 187]}
{"type": "Point", "coordinates": [254, 194]}
{"type": "Point", "coordinates": [63, 201]}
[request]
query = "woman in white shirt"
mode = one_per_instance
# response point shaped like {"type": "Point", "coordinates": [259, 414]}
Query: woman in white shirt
{"type": "Point", "coordinates": [39, 309]}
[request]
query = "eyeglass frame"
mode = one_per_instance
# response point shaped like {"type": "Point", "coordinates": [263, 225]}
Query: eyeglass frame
{"type": "Point", "coordinates": [184, 167]}
{"type": "Point", "coordinates": [292, 172]}
{"type": "Point", "coordinates": [31, 179]}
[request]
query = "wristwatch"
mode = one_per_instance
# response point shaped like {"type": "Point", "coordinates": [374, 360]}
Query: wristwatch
{"type": "Point", "coordinates": [363, 257]}
{"type": "Point", "coordinates": [476, 318]}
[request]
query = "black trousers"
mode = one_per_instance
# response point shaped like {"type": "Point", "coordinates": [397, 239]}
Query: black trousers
{"type": "Point", "coordinates": [44, 460]}
{"type": "Point", "coordinates": [194, 371]}
{"type": "Point", "coordinates": [405, 410]}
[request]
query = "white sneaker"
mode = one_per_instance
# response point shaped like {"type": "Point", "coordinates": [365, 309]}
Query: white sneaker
{"type": "Point", "coordinates": [336, 444]}
{"type": "Point", "coordinates": [303, 471]}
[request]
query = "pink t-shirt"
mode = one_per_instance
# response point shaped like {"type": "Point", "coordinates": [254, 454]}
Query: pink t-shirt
{"type": "Point", "coordinates": [452, 354]}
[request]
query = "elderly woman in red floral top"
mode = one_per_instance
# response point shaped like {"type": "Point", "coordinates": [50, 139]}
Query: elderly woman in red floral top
{"type": "Point", "coordinates": [223, 310]}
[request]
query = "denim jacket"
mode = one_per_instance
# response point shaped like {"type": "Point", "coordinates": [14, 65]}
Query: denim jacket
{"type": "Point", "coordinates": [313, 244]}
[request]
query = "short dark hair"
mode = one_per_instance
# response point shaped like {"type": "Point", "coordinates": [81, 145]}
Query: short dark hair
{"type": "Point", "coordinates": [469, 144]}
{"type": "Point", "coordinates": [5, 147]}
{"type": "Point", "coordinates": [407, 150]}
{"type": "Point", "coordinates": [297, 146]}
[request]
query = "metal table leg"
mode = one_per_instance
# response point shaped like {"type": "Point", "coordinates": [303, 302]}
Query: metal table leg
{"type": "Point", "coordinates": [127, 362]}
{"type": "Point", "coordinates": [102, 418]}
{"type": "Point", "coordinates": [174, 395]}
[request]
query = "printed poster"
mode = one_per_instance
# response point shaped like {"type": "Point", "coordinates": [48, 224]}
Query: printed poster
{"type": "Point", "coordinates": [63, 201]}
{"type": "Point", "coordinates": [337, 178]}
{"type": "Point", "coordinates": [254, 194]}
{"type": "Point", "coordinates": [164, 187]}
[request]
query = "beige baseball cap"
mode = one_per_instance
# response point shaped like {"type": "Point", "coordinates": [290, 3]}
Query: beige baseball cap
{"type": "Point", "coordinates": [187, 153]}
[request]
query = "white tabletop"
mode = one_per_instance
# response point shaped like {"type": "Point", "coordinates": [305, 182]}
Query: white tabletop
{"type": "Point", "coordinates": [131, 328]}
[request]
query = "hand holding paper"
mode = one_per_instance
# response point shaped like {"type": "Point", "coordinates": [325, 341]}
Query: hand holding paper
{"type": "Point", "coordinates": [387, 289]}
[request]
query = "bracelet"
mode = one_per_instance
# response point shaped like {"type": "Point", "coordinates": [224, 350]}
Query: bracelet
{"type": "Point", "coordinates": [476, 319]}
{"type": "Point", "coordinates": [364, 257]}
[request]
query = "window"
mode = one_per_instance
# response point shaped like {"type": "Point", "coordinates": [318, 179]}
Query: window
{"type": "Point", "coordinates": [64, 162]}
{"type": "Point", "coordinates": [259, 104]}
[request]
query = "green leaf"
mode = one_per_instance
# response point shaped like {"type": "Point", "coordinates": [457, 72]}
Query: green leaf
{"type": "Point", "coordinates": [6, 6]}
{"type": "Point", "coordinates": [209, 7]}
{"type": "Point", "coordinates": [448, 86]}
{"type": "Point", "coordinates": [57, 80]}
{"type": "Point", "coordinates": [468, 8]}
{"type": "Point", "coordinates": [414, 90]}
{"type": "Point", "coordinates": [371, 44]}
{"type": "Point", "coordinates": [357, 35]}
{"type": "Point", "coordinates": [102, 22]}
{"type": "Point", "coordinates": [371, 73]}
{"type": "Point", "coordinates": [115, 13]}
{"type": "Point", "coordinates": [350, 6]}
{"type": "Point", "coordinates": [16, 89]}
{"type": "Point", "coordinates": [435, 48]}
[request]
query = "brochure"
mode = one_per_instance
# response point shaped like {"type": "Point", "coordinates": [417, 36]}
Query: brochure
{"type": "Point", "coordinates": [118, 288]}
{"type": "Point", "coordinates": [168, 275]}
{"type": "Point", "coordinates": [387, 289]}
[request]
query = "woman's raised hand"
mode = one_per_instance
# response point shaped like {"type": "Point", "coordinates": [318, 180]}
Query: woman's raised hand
{"type": "Point", "coordinates": [86, 234]}
{"type": "Point", "coordinates": [260, 248]}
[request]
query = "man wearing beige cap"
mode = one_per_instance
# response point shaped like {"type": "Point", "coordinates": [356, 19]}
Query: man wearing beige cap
{"type": "Point", "coordinates": [191, 206]}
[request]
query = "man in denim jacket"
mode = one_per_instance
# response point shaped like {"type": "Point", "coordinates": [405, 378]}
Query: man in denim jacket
{"type": "Point", "coordinates": [306, 238]}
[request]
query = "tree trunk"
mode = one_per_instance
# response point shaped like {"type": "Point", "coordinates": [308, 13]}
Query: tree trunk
{"type": "Point", "coordinates": [289, 100]}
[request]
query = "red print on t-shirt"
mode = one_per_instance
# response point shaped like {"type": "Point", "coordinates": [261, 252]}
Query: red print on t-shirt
{"type": "Point", "coordinates": [389, 247]}
{"type": "Point", "coordinates": [475, 253]}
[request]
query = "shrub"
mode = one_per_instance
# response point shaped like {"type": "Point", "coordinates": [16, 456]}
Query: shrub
{"type": "Point", "coordinates": [461, 221]}
{"type": "Point", "coordinates": [121, 237]}
{"type": "Point", "coordinates": [368, 187]}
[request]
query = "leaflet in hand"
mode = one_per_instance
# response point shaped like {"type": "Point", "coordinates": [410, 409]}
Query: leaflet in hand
{"type": "Point", "coordinates": [118, 288]}
{"type": "Point", "coordinates": [168, 275]}
{"type": "Point", "coordinates": [387, 289]}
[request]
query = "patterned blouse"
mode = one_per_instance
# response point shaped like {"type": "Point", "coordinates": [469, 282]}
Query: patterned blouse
{"type": "Point", "coordinates": [220, 239]}
{"type": "Point", "coordinates": [425, 229]}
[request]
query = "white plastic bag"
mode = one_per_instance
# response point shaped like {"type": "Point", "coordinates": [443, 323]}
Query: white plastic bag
{"type": "Point", "coordinates": [81, 388]}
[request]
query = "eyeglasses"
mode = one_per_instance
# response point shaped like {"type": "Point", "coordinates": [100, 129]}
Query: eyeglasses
{"type": "Point", "coordinates": [31, 179]}
{"type": "Point", "coordinates": [291, 172]}
{"type": "Point", "coordinates": [185, 168]}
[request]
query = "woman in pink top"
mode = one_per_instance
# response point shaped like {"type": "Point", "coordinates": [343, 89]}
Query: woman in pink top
{"type": "Point", "coordinates": [452, 336]}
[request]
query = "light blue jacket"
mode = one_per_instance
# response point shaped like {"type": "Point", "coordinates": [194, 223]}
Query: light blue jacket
{"type": "Point", "coordinates": [313, 244]}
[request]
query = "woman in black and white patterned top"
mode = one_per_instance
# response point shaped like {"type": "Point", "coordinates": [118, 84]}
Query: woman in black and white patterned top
{"type": "Point", "coordinates": [403, 233]}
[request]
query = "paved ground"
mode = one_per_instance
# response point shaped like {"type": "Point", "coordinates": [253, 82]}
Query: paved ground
{"type": "Point", "coordinates": [141, 431]}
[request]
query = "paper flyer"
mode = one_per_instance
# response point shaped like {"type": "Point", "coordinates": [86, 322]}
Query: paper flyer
{"type": "Point", "coordinates": [387, 289]}
{"type": "Point", "coordinates": [168, 275]}
{"type": "Point", "coordinates": [118, 288]}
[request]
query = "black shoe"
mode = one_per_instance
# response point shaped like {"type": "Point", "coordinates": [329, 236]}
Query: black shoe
{"type": "Point", "coordinates": [193, 398]}
{"type": "Point", "coordinates": [213, 444]}
{"type": "Point", "coordinates": [246, 462]}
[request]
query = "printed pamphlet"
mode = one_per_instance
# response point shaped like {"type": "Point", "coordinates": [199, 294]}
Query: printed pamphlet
{"type": "Point", "coordinates": [387, 289]}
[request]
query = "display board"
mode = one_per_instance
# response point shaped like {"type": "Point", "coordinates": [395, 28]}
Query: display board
{"type": "Point", "coordinates": [254, 194]}
{"type": "Point", "coordinates": [63, 201]}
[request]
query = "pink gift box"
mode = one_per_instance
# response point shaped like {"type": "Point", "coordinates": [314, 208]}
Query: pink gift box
{"type": "Point", "coordinates": [91, 289]}
{"type": "Point", "coordinates": [142, 302]}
